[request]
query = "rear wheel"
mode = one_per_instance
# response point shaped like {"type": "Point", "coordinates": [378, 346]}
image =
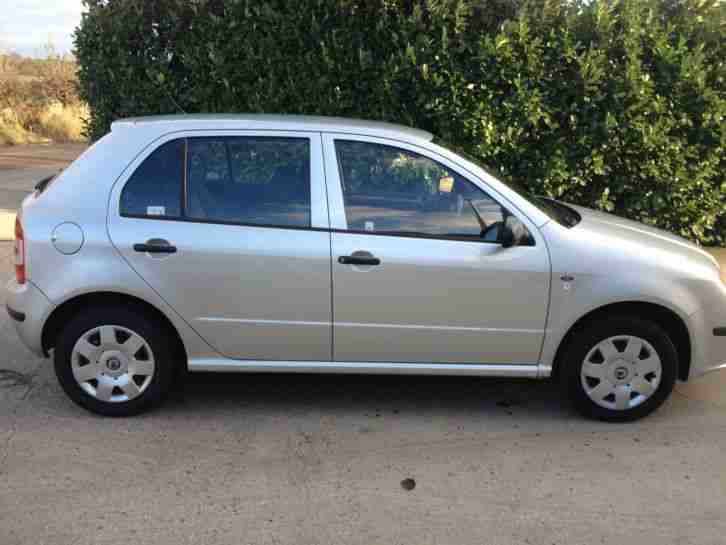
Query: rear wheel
{"type": "Point", "coordinates": [114, 361]}
{"type": "Point", "coordinates": [619, 369]}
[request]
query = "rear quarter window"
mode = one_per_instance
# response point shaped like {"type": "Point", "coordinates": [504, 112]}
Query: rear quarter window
{"type": "Point", "coordinates": [155, 188]}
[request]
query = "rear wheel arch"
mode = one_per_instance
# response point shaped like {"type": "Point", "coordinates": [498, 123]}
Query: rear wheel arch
{"type": "Point", "coordinates": [666, 318]}
{"type": "Point", "coordinates": [63, 313]}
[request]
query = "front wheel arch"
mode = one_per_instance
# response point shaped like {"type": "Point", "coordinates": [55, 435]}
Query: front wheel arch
{"type": "Point", "coordinates": [671, 323]}
{"type": "Point", "coordinates": [64, 313]}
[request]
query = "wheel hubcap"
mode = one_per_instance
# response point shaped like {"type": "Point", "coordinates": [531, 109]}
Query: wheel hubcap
{"type": "Point", "coordinates": [112, 363]}
{"type": "Point", "coordinates": [621, 372]}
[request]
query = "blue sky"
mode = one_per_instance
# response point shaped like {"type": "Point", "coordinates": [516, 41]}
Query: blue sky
{"type": "Point", "coordinates": [27, 25]}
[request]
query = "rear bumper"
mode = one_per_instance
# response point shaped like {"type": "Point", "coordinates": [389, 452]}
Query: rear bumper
{"type": "Point", "coordinates": [28, 307]}
{"type": "Point", "coordinates": [14, 314]}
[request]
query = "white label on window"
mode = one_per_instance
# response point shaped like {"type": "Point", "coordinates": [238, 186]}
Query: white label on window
{"type": "Point", "coordinates": [156, 210]}
{"type": "Point", "coordinates": [370, 226]}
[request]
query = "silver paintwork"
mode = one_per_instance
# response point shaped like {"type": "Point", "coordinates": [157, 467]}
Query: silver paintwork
{"type": "Point", "coordinates": [309, 123]}
{"type": "Point", "coordinates": [368, 368]}
{"type": "Point", "coordinates": [621, 379]}
{"type": "Point", "coordinates": [255, 298]}
{"type": "Point", "coordinates": [67, 238]}
{"type": "Point", "coordinates": [28, 298]}
{"type": "Point", "coordinates": [106, 368]}
{"type": "Point", "coordinates": [384, 313]}
{"type": "Point", "coordinates": [613, 261]}
{"type": "Point", "coordinates": [267, 283]}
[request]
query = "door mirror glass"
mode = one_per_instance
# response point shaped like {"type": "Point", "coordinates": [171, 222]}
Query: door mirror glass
{"type": "Point", "coordinates": [514, 233]}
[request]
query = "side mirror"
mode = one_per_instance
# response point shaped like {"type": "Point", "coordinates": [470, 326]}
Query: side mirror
{"type": "Point", "coordinates": [514, 233]}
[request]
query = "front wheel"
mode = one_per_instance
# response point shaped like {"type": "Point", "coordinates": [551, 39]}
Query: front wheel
{"type": "Point", "coordinates": [619, 369]}
{"type": "Point", "coordinates": [114, 361]}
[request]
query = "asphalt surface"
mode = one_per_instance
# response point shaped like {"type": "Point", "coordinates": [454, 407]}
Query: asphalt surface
{"type": "Point", "coordinates": [268, 459]}
{"type": "Point", "coordinates": [21, 167]}
{"type": "Point", "coordinates": [237, 459]}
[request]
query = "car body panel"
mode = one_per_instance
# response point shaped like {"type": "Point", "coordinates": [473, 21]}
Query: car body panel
{"type": "Point", "coordinates": [435, 300]}
{"type": "Point", "coordinates": [28, 300]}
{"type": "Point", "coordinates": [439, 301]}
{"type": "Point", "coordinates": [601, 261]}
{"type": "Point", "coordinates": [227, 365]}
{"type": "Point", "coordinates": [258, 284]}
{"type": "Point", "coordinates": [165, 124]}
{"type": "Point", "coordinates": [605, 260]}
{"type": "Point", "coordinates": [639, 234]}
{"type": "Point", "coordinates": [96, 268]}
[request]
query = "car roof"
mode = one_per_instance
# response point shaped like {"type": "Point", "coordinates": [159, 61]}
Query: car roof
{"type": "Point", "coordinates": [272, 121]}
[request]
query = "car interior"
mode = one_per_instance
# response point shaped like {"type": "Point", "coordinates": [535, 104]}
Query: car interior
{"type": "Point", "coordinates": [232, 185]}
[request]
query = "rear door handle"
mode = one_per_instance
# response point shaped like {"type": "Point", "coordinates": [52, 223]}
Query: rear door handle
{"type": "Point", "coordinates": [359, 260]}
{"type": "Point", "coordinates": [155, 246]}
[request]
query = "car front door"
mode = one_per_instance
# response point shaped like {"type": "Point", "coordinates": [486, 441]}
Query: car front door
{"type": "Point", "coordinates": [419, 275]}
{"type": "Point", "coordinates": [232, 231]}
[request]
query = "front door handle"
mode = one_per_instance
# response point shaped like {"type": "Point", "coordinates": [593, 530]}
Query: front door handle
{"type": "Point", "coordinates": [359, 258]}
{"type": "Point", "coordinates": [155, 246]}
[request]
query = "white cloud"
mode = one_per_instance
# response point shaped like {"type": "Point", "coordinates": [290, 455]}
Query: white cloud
{"type": "Point", "coordinates": [26, 26]}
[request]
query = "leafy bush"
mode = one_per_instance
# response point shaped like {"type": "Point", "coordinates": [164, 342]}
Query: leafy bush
{"type": "Point", "coordinates": [39, 100]}
{"type": "Point", "coordinates": [617, 105]}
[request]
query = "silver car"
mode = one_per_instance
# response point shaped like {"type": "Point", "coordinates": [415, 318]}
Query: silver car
{"type": "Point", "coordinates": [310, 244]}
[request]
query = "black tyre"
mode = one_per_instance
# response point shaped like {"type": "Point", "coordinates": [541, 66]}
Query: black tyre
{"type": "Point", "coordinates": [115, 361]}
{"type": "Point", "coordinates": [619, 369]}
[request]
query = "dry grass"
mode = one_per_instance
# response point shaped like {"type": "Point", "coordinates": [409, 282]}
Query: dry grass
{"type": "Point", "coordinates": [12, 132]}
{"type": "Point", "coordinates": [39, 100]}
{"type": "Point", "coordinates": [61, 123]}
{"type": "Point", "coordinates": [12, 135]}
{"type": "Point", "coordinates": [52, 122]}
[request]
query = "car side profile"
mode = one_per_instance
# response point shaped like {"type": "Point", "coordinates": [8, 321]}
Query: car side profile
{"type": "Point", "coordinates": [300, 244]}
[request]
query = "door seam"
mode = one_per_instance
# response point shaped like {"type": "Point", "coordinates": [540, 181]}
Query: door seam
{"type": "Point", "coordinates": [330, 248]}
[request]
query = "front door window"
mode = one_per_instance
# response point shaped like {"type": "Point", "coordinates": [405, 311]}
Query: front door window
{"type": "Point", "coordinates": [388, 190]}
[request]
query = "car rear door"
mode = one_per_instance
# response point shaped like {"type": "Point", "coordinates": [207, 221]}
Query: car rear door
{"type": "Point", "coordinates": [413, 279]}
{"type": "Point", "coordinates": [231, 230]}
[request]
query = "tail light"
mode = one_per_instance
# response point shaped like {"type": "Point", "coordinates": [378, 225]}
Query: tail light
{"type": "Point", "coordinates": [19, 252]}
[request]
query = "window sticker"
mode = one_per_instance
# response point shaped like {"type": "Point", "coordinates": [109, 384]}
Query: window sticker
{"type": "Point", "coordinates": [446, 184]}
{"type": "Point", "coordinates": [156, 210]}
{"type": "Point", "coordinates": [370, 226]}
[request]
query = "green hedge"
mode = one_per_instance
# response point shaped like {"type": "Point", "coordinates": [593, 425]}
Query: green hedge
{"type": "Point", "coordinates": [617, 105]}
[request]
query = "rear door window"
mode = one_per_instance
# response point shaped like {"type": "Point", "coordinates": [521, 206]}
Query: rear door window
{"type": "Point", "coordinates": [251, 180]}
